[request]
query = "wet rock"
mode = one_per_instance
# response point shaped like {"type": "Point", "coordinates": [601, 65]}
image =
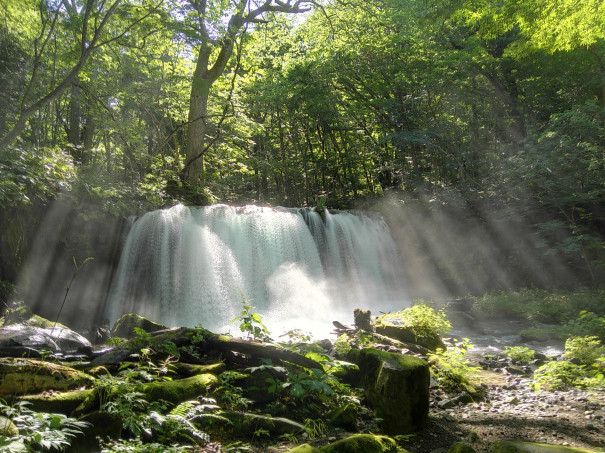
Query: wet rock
{"type": "Point", "coordinates": [16, 338]}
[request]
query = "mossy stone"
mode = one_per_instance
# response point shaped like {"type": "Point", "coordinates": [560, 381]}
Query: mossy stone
{"type": "Point", "coordinates": [28, 376]}
{"type": "Point", "coordinates": [509, 446]}
{"type": "Point", "coordinates": [8, 428]}
{"type": "Point", "coordinates": [461, 447]}
{"type": "Point", "coordinates": [345, 416]}
{"type": "Point", "coordinates": [304, 448]}
{"type": "Point", "coordinates": [63, 403]}
{"type": "Point", "coordinates": [245, 424]}
{"type": "Point", "coordinates": [397, 386]}
{"type": "Point", "coordinates": [362, 443]}
{"type": "Point", "coordinates": [188, 369]}
{"type": "Point", "coordinates": [102, 425]}
{"type": "Point", "coordinates": [124, 327]}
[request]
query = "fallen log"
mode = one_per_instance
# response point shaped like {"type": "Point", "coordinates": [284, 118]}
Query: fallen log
{"type": "Point", "coordinates": [204, 342]}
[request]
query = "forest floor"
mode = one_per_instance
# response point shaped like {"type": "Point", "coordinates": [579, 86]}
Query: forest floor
{"type": "Point", "coordinates": [511, 410]}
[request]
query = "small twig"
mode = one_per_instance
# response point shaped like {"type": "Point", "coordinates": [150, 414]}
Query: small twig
{"type": "Point", "coordinates": [67, 289]}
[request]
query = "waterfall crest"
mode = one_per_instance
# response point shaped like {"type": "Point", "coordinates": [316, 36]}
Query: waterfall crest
{"type": "Point", "coordinates": [193, 266]}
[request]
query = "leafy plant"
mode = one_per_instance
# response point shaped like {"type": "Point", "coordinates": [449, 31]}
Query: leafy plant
{"type": "Point", "coordinates": [38, 431]}
{"type": "Point", "coordinates": [251, 322]}
{"type": "Point", "coordinates": [520, 354]}
{"type": "Point", "coordinates": [584, 350]}
{"type": "Point", "coordinates": [453, 370]}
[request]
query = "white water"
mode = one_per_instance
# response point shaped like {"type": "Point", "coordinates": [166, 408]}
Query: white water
{"type": "Point", "coordinates": [193, 266]}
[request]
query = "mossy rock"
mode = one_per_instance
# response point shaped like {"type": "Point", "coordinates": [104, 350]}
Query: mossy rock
{"type": "Point", "coordinates": [461, 447]}
{"type": "Point", "coordinates": [174, 392]}
{"type": "Point", "coordinates": [63, 403]}
{"type": "Point", "coordinates": [390, 325]}
{"type": "Point", "coordinates": [510, 446]}
{"type": "Point", "coordinates": [304, 448]}
{"type": "Point", "coordinates": [344, 416]}
{"type": "Point", "coordinates": [362, 443]}
{"type": "Point", "coordinates": [8, 428]}
{"type": "Point", "coordinates": [28, 376]}
{"type": "Point", "coordinates": [396, 386]}
{"type": "Point", "coordinates": [187, 369]}
{"type": "Point", "coordinates": [179, 390]}
{"type": "Point", "coordinates": [124, 327]}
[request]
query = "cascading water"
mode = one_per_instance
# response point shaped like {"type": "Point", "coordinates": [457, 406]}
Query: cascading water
{"type": "Point", "coordinates": [193, 266]}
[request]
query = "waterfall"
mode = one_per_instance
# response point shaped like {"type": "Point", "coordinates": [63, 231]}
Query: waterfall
{"type": "Point", "coordinates": [193, 266]}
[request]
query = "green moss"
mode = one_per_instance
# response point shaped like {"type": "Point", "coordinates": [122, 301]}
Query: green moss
{"type": "Point", "coordinates": [179, 390]}
{"type": "Point", "coordinates": [461, 447]}
{"type": "Point", "coordinates": [63, 403]}
{"type": "Point", "coordinates": [304, 448]}
{"type": "Point", "coordinates": [362, 443]}
{"type": "Point", "coordinates": [28, 376]}
{"type": "Point", "coordinates": [397, 360]}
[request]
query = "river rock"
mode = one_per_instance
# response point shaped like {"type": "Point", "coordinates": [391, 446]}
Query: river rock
{"type": "Point", "coordinates": [25, 376]}
{"type": "Point", "coordinates": [397, 386]}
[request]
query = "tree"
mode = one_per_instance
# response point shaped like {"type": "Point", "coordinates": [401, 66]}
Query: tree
{"type": "Point", "coordinates": [214, 28]}
{"type": "Point", "coordinates": [91, 19]}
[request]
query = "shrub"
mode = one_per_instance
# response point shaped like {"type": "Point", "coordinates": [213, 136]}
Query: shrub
{"type": "Point", "coordinates": [520, 354]}
{"type": "Point", "coordinates": [584, 350]}
{"type": "Point", "coordinates": [453, 370]}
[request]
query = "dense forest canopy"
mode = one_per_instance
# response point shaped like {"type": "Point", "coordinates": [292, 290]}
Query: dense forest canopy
{"type": "Point", "coordinates": [122, 106]}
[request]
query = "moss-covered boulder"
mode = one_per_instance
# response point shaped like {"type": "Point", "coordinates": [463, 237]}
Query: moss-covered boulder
{"type": "Point", "coordinates": [304, 448]}
{"type": "Point", "coordinates": [392, 325]}
{"type": "Point", "coordinates": [362, 443]}
{"type": "Point", "coordinates": [396, 386]}
{"type": "Point", "coordinates": [62, 403]}
{"type": "Point", "coordinates": [124, 327]}
{"type": "Point", "coordinates": [461, 447]}
{"type": "Point", "coordinates": [510, 446]}
{"type": "Point", "coordinates": [175, 392]}
{"type": "Point", "coordinates": [344, 416]}
{"type": "Point", "coordinates": [28, 376]}
{"type": "Point", "coordinates": [189, 369]}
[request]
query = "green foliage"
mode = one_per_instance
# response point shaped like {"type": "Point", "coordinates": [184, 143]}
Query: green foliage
{"type": "Point", "coordinates": [230, 395]}
{"type": "Point", "coordinates": [587, 323]}
{"type": "Point", "coordinates": [540, 305]}
{"type": "Point", "coordinates": [251, 322]}
{"type": "Point", "coordinates": [38, 431]}
{"type": "Point", "coordinates": [452, 370]}
{"type": "Point", "coordinates": [33, 175]}
{"type": "Point", "coordinates": [421, 319]}
{"type": "Point", "coordinates": [584, 367]}
{"type": "Point", "coordinates": [584, 350]}
{"type": "Point", "coordinates": [520, 354]}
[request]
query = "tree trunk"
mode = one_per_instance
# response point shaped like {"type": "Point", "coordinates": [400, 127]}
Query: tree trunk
{"type": "Point", "coordinates": [197, 130]}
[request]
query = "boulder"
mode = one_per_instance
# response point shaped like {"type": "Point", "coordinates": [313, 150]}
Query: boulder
{"type": "Point", "coordinates": [397, 386]}
{"type": "Point", "coordinates": [26, 376]}
{"type": "Point", "coordinates": [344, 416]}
{"type": "Point", "coordinates": [362, 443]}
{"type": "Point", "coordinates": [124, 327]}
{"type": "Point", "coordinates": [18, 338]}
{"type": "Point", "coordinates": [511, 446]}
{"type": "Point", "coordinates": [304, 448]}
